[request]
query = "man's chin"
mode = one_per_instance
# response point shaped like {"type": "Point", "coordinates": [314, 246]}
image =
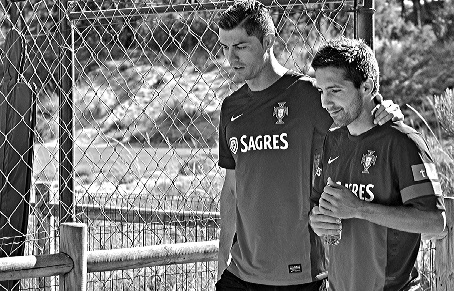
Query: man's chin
{"type": "Point", "coordinates": [339, 123]}
{"type": "Point", "coordinates": [238, 78]}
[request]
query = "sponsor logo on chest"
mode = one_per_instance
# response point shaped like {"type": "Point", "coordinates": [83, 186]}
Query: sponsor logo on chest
{"type": "Point", "coordinates": [258, 143]}
{"type": "Point", "coordinates": [362, 191]}
{"type": "Point", "coordinates": [247, 143]}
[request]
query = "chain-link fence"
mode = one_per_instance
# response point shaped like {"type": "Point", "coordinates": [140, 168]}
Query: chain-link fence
{"type": "Point", "coordinates": [121, 121]}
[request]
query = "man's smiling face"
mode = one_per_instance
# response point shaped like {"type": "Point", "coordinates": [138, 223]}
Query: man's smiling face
{"type": "Point", "coordinates": [339, 96]}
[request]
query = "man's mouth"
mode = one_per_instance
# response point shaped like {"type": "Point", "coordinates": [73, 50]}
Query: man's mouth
{"type": "Point", "coordinates": [334, 111]}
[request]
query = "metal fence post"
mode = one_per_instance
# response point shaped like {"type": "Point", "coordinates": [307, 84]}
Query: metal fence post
{"type": "Point", "coordinates": [43, 226]}
{"type": "Point", "coordinates": [73, 242]}
{"type": "Point", "coordinates": [366, 22]}
{"type": "Point", "coordinates": [444, 252]}
{"type": "Point", "coordinates": [66, 136]}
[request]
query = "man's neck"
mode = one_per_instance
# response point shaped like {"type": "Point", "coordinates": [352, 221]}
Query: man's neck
{"type": "Point", "coordinates": [364, 122]}
{"type": "Point", "coordinates": [269, 74]}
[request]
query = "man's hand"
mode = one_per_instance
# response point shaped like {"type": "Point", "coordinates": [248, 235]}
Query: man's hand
{"type": "Point", "coordinates": [223, 263]}
{"type": "Point", "coordinates": [324, 224]}
{"type": "Point", "coordinates": [338, 201]}
{"type": "Point", "coordinates": [434, 237]}
{"type": "Point", "coordinates": [385, 111]}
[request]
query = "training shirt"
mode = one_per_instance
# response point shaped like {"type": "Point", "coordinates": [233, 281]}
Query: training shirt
{"type": "Point", "coordinates": [389, 165]}
{"type": "Point", "coordinates": [269, 137]}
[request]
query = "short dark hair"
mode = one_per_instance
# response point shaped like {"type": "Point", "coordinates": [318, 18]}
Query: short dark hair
{"type": "Point", "coordinates": [250, 14]}
{"type": "Point", "coordinates": [354, 56]}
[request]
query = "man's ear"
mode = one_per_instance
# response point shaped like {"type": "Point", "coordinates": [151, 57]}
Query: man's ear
{"type": "Point", "coordinates": [268, 41]}
{"type": "Point", "coordinates": [367, 86]}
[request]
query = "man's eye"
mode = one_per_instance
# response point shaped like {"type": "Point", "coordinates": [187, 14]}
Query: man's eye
{"type": "Point", "coordinates": [334, 91]}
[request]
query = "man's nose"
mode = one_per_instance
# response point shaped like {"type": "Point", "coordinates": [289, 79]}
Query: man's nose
{"type": "Point", "coordinates": [231, 55]}
{"type": "Point", "coordinates": [325, 99]}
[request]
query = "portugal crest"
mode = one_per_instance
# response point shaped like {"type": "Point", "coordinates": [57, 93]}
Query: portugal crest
{"type": "Point", "coordinates": [280, 112]}
{"type": "Point", "coordinates": [368, 161]}
{"type": "Point", "coordinates": [233, 144]}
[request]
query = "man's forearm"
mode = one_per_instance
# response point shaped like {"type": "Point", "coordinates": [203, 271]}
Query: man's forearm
{"type": "Point", "coordinates": [228, 220]}
{"type": "Point", "coordinates": [225, 243]}
{"type": "Point", "coordinates": [228, 225]}
{"type": "Point", "coordinates": [403, 218]}
{"type": "Point", "coordinates": [228, 228]}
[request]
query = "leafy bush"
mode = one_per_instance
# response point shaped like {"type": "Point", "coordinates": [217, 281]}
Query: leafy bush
{"type": "Point", "coordinates": [444, 108]}
{"type": "Point", "coordinates": [415, 63]}
{"type": "Point", "coordinates": [441, 145]}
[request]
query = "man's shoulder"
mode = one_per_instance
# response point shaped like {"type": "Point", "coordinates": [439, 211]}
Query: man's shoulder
{"type": "Point", "coordinates": [404, 135]}
{"type": "Point", "coordinates": [237, 94]}
{"type": "Point", "coordinates": [302, 79]}
{"type": "Point", "coordinates": [336, 135]}
{"type": "Point", "coordinates": [337, 131]}
{"type": "Point", "coordinates": [400, 130]}
{"type": "Point", "coordinates": [237, 98]}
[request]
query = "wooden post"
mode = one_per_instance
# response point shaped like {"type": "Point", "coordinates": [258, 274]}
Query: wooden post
{"type": "Point", "coordinates": [444, 253]}
{"type": "Point", "coordinates": [73, 242]}
{"type": "Point", "coordinates": [43, 227]}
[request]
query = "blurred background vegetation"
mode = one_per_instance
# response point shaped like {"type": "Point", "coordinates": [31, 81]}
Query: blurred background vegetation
{"type": "Point", "coordinates": [415, 42]}
{"type": "Point", "coordinates": [414, 46]}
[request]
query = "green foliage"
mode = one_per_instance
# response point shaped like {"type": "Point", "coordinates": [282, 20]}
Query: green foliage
{"type": "Point", "coordinates": [442, 19]}
{"type": "Point", "coordinates": [389, 25]}
{"type": "Point", "coordinates": [415, 62]}
{"type": "Point", "coordinates": [441, 145]}
{"type": "Point", "coordinates": [444, 107]}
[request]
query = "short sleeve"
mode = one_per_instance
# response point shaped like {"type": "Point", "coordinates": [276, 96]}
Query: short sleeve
{"type": "Point", "coordinates": [225, 156]}
{"type": "Point", "coordinates": [416, 174]}
{"type": "Point", "coordinates": [322, 119]}
{"type": "Point", "coordinates": [321, 122]}
{"type": "Point", "coordinates": [319, 180]}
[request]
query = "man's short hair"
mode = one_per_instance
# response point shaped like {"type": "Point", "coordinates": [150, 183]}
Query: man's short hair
{"type": "Point", "coordinates": [354, 56]}
{"type": "Point", "coordinates": [252, 15]}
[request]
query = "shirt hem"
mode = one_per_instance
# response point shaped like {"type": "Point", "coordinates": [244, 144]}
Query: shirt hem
{"type": "Point", "coordinates": [249, 279]}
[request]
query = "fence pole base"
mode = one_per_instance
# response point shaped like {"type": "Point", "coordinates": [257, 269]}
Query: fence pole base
{"type": "Point", "coordinates": [73, 242]}
{"type": "Point", "coordinates": [444, 251]}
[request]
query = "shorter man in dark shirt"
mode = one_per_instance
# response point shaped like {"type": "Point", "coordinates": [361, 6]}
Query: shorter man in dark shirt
{"type": "Point", "coordinates": [380, 181]}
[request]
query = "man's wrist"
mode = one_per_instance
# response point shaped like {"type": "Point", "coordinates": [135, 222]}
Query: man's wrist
{"type": "Point", "coordinates": [361, 210]}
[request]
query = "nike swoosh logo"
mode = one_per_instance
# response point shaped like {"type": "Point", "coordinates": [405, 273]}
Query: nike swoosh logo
{"type": "Point", "coordinates": [235, 117]}
{"type": "Point", "coordinates": [332, 160]}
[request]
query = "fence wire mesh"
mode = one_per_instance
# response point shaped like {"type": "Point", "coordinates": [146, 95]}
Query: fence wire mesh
{"type": "Point", "coordinates": [148, 78]}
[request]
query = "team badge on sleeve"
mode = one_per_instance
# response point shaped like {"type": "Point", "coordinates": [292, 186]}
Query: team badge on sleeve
{"type": "Point", "coordinates": [317, 170]}
{"type": "Point", "coordinates": [280, 112]}
{"type": "Point", "coordinates": [425, 171]}
{"type": "Point", "coordinates": [233, 144]}
{"type": "Point", "coordinates": [368, 161]}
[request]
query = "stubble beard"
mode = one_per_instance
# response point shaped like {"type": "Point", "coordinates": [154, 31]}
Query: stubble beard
{"type": "Point", "coordinates": [349, 116]}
